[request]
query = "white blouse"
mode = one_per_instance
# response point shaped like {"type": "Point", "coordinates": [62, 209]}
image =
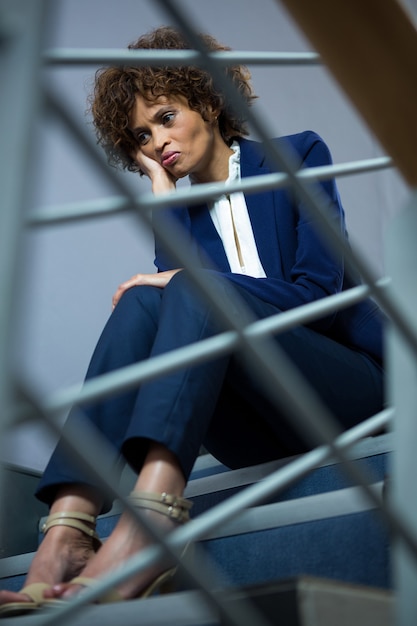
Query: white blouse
{"type": "Point", "coordinates": [231, 219]}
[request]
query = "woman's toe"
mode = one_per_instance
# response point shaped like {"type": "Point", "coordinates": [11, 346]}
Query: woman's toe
{"type": "Point", "coordinates": [12, 596]}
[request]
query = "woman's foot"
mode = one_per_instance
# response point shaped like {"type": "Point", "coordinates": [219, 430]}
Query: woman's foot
{"type": "Point", "coordinates": [63, 554]}
{"type": "Point", "coordinates": [126, 540]}
{"type": "Point", "coordinates": [160, 474]}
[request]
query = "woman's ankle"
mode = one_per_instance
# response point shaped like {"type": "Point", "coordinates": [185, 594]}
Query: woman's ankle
{"type": "Point", "coordinates": [77, 498]}
{"type": "Point", "coordinates": [62, 554]}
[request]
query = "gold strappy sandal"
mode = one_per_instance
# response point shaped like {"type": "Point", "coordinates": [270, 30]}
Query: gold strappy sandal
{"type": "Point", "coordinates": [171, 506]}
{"type": "Point", "coordinates": [35, 591]}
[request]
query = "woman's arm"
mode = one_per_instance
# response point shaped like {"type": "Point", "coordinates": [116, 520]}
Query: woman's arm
{"type": "Point", "coordinates": [162, 182]}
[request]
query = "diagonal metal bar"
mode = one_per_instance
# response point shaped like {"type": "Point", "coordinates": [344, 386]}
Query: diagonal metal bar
{"type": "Point", "coordinates": [21, 29]}
{"type": "Point", "coordinates": [20, 32]}
{"type": "Point", "coordinates": [200, 193]}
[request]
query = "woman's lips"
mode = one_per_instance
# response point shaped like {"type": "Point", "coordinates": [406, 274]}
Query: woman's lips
{"type": "Point", "coordinates": [169, 158]}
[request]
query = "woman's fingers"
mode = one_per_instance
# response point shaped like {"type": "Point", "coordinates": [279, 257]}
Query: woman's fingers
{"type": "Point", "coordinates": [162, 181]}
{"type": "Point", "coordinates": [128, 284]}
{"type": "Point", "coordinates": [159, 279]}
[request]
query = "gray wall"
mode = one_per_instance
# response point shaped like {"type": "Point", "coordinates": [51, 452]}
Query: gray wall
{"type": "Point", "coordinates": [72, 271]}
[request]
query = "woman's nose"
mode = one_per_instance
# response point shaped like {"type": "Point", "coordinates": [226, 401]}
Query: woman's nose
{"type": "Point", "coordinates": [160, 139]}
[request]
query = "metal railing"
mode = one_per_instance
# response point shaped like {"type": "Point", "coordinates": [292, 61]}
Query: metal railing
{"type": "Point", "coordinates": [20, 40]}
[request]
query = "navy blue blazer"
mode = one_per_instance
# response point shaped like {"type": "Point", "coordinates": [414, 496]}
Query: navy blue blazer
{"type": "Point", "coordinates": [298, 265]}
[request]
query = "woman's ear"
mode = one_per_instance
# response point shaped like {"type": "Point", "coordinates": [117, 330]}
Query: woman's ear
{"type": "Point", "coordinates": [215, 118]}
{"type": "Point", "coordinates": [212, 115]}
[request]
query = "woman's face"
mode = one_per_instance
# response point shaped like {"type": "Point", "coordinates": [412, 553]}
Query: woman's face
{"type": "Point", "coordinates": [169, 132]}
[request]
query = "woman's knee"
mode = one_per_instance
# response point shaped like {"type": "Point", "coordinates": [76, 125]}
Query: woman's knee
{"type": "Point", "coordinates": [136, 309]}
{"type": "Point", "coordinates": [140, 295]}
{"type": "Point", "coordinates": [138, 300]}
{"type": "Point", "coordinates": [200, 292]}
{"type": "Point", "coordinates": [181, 290]}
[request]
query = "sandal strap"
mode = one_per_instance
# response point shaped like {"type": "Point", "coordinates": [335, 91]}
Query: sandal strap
{"type": "Point", "coordinates": [73, 519]}
{"type": "Point", "coordinates": [110, 596]}
{"type": "Point", "coordinates": [35, 592]}
{"type": "Point", "coordinates": [172, 506]}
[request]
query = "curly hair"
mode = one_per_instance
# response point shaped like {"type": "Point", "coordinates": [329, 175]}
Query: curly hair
{"type": "Point", "coordinates": [116, 88]}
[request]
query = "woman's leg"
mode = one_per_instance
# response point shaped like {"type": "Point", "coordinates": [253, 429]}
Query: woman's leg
{"type": "Point", "coordinates": [126, 339]}
{"type": "Point", "coordinates": [349, 384]}
{"type": "Point", "coordinates": [166, 428]}
{"type": "Point", "coordinates": [245, 429]}
{"type": "Point", "coordinates": [176, 409]}
{"type": "Point", "coordinates": [149, 322]}
{"type": "Point", "coordinates": [134, 332]}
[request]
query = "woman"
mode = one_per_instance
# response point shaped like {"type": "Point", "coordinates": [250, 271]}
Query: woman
{"type": "Point", "coordinates": [169, 123]}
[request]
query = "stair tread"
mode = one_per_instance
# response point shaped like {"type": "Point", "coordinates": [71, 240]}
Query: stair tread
{"type": "Point", "coordinates": [305, 601]}
{"type": "Point", "coordinates": [211, 489]}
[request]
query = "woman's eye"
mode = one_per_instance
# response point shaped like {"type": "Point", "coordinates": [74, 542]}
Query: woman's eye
{"type": "Point", "coordinates": [167, 118]}
{"type": "Point", "coordinates": [142, 138]}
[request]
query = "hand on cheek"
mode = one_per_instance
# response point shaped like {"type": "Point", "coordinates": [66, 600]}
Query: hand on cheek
{"type": "Point", "coordinates": [162, 181]}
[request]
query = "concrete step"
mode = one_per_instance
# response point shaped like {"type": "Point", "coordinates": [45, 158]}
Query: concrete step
{"type": "Point", "coordinates": [21, 512]}
{"type": "Point", "coordinates": [209, 486]}
{"type": "Point", "coordinates": [211, 482]}
{"type": "Point", "coordinates": [303, 601]}
{"type": "Point", "coordinates": [337, 535]}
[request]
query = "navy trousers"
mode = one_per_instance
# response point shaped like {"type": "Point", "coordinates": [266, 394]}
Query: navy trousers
{"type": "Point", "coordinates": [217, 403]}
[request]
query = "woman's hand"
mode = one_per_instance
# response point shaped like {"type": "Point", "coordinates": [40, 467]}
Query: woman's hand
{"type": "Point", "coordinates": [162, 181]}
{"type": "Point", "coordinates": [160, 279]}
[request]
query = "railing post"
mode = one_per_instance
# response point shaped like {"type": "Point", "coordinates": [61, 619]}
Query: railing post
{"type": "Point", "coordinates": [402, 393]}
{"type": "Point", "coordinates": [21, 24]}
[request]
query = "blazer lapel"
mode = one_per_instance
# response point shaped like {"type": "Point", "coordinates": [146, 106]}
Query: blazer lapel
{"type": "Point", "coordinates": [262, 210]}
{"type": "Point", "coordinates": [204, 231]}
